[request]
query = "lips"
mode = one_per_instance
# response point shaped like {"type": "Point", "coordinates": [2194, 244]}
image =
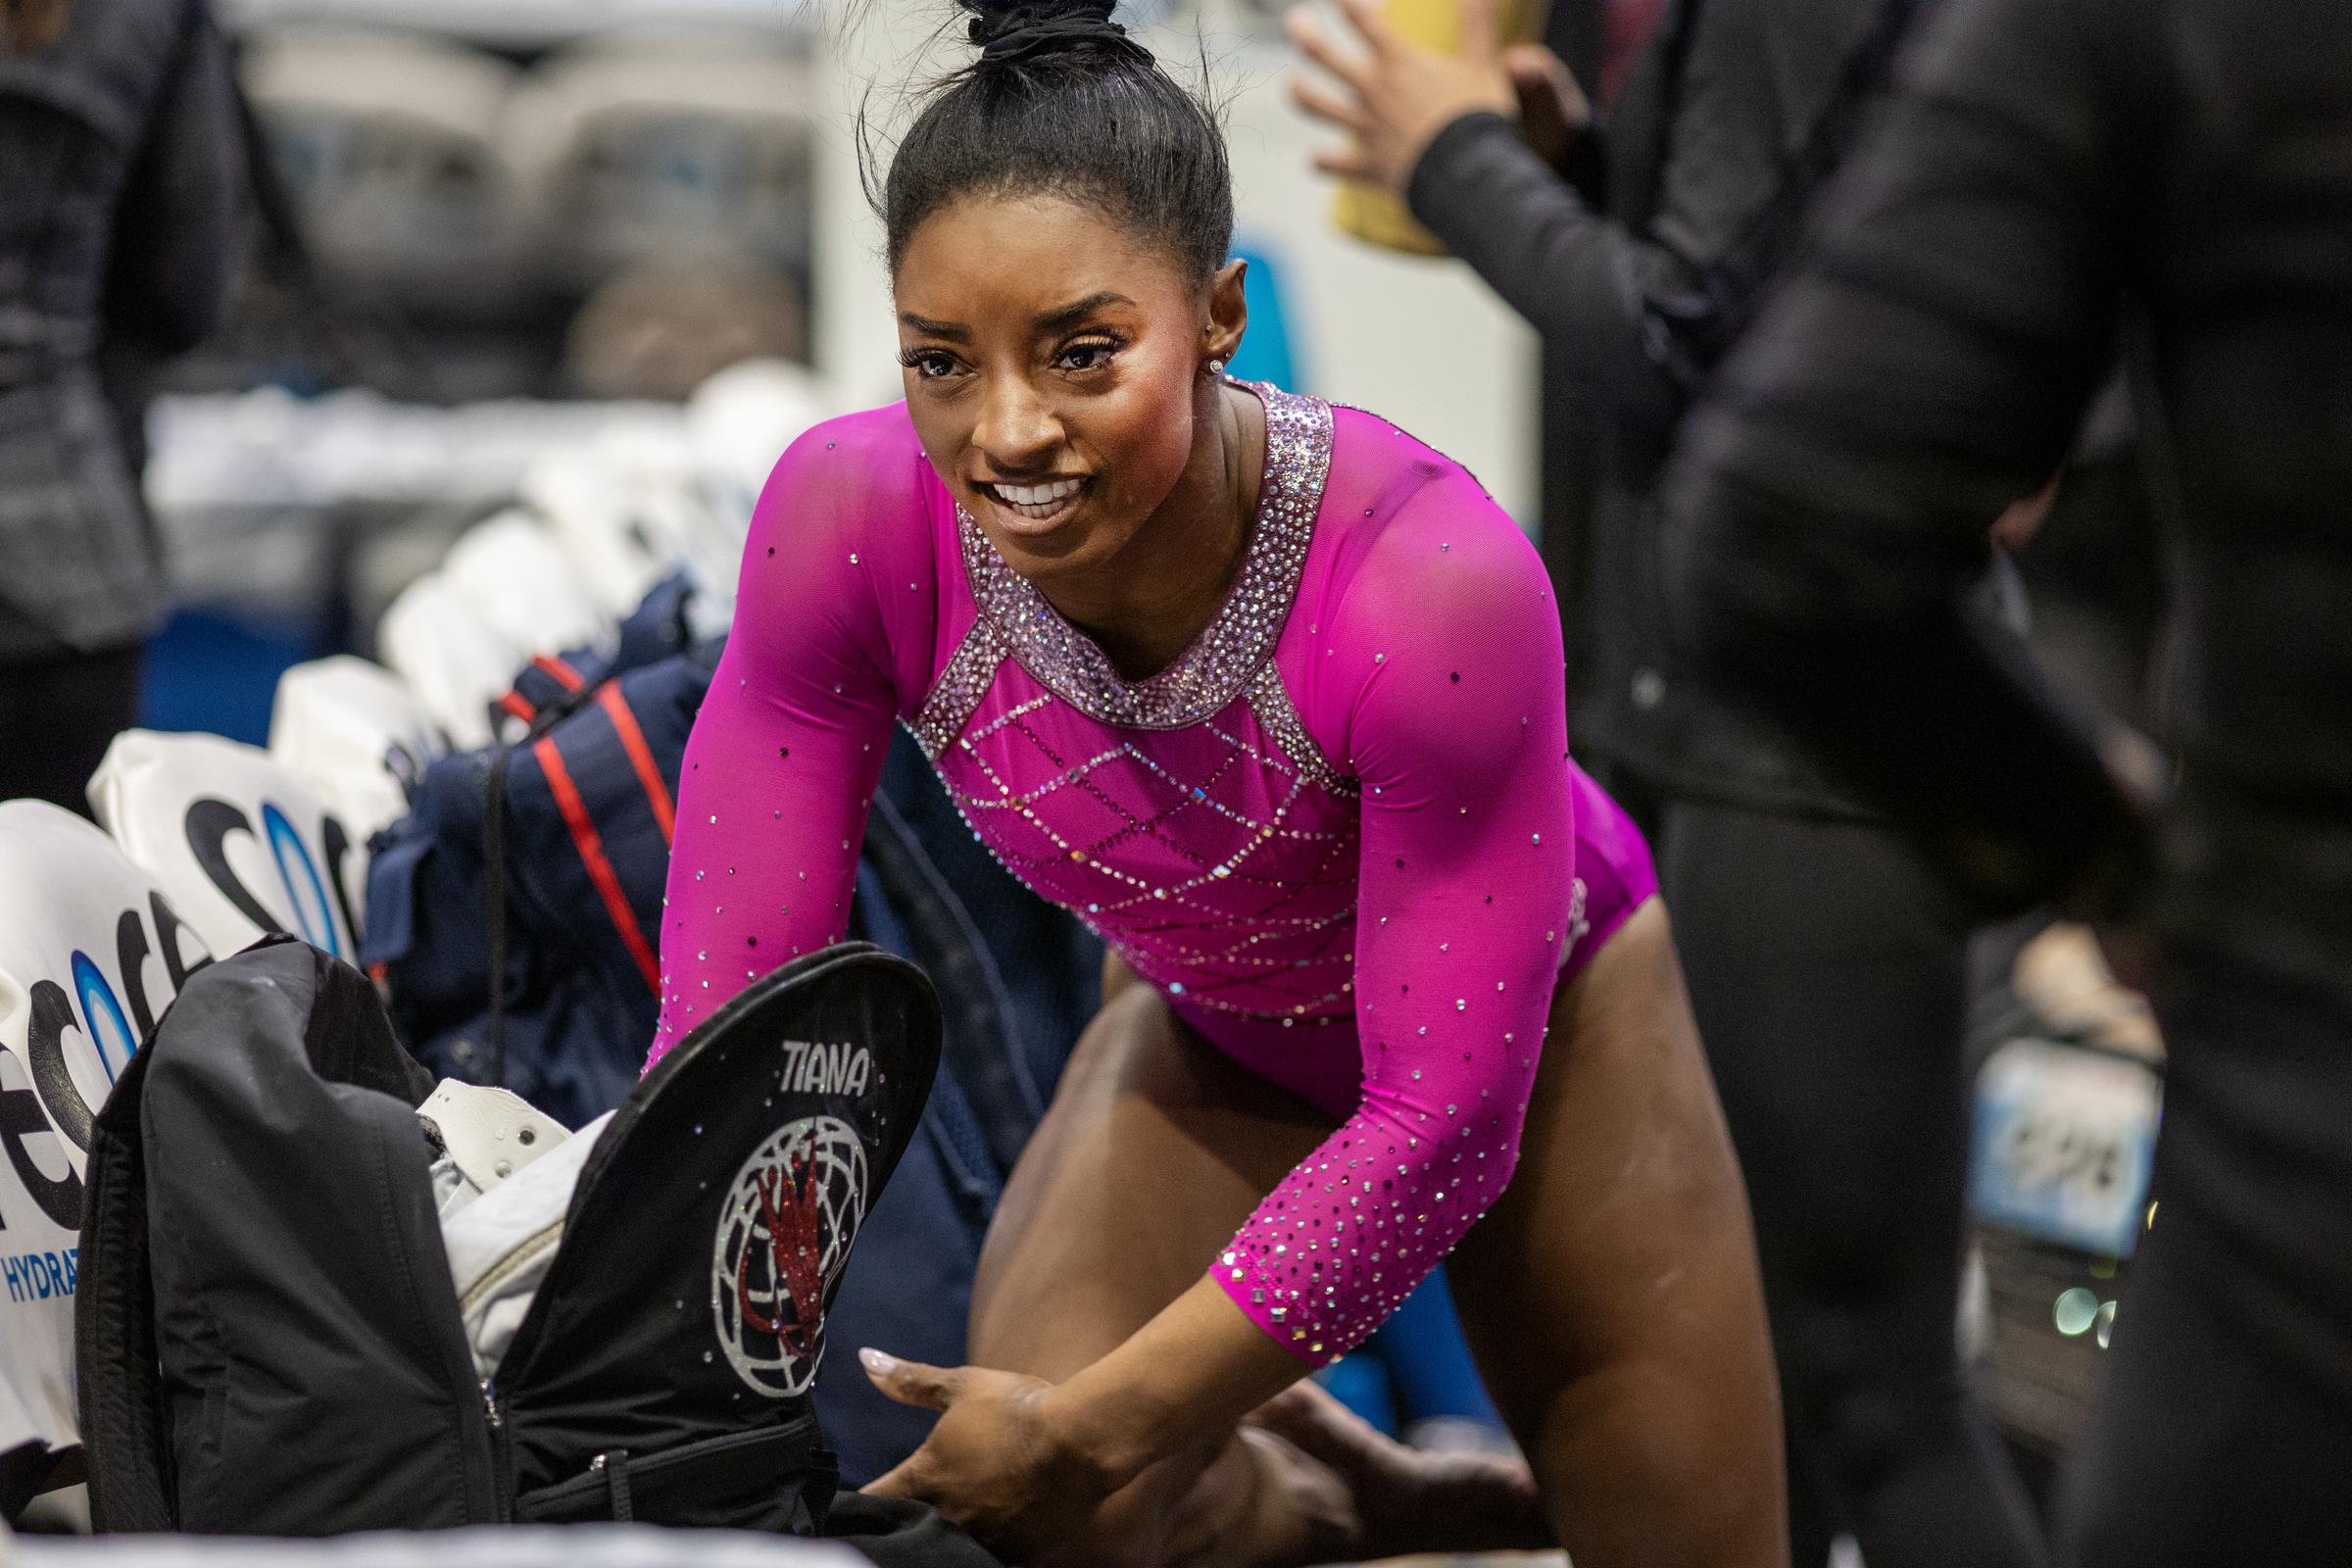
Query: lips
{"type": "Point", "coordinates": [1044, 503]}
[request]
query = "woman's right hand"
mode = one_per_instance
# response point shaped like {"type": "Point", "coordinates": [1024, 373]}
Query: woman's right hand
{"type": "Point", "coordinates": [997, 1463]}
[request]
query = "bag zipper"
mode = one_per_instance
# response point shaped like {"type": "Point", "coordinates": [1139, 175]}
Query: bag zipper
{"type": "Point", "coordinates": [800, 1435]}
{"type": "Point", "coordinates": [502, 1453]}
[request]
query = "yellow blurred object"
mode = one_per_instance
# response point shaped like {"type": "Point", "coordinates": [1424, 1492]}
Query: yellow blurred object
{"type": "Point", "coordinates": [1375, 215]}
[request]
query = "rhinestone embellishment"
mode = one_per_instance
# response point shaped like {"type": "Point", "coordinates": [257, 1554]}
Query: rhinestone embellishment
{"type": "Point", "coordinates": [1231, 648]}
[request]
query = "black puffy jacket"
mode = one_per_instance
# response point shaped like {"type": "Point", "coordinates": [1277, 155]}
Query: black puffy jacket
{"type": "Point", "coordinates": [2045, 165]}
{"type": "Point", "coordinates": [1638, 281]}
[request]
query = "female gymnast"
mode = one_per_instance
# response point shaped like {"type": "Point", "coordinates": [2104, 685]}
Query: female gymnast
{"type": "Point", "coordinates": [1269, 694]}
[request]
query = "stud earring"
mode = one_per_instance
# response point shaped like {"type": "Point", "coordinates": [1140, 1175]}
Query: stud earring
{"type": "Point", "coordinates": [1216, 368]}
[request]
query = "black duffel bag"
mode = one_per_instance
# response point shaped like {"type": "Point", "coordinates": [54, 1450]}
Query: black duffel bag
{"type": "Point", "coordinates": [270, 1340]}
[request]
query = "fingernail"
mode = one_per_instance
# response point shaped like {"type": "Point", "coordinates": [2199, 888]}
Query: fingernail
{"type": "Point", "coordinates": [879, 1364]}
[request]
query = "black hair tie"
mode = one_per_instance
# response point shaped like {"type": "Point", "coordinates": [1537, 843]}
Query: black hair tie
{"type": "Point", "coordinates": [1035, 35]}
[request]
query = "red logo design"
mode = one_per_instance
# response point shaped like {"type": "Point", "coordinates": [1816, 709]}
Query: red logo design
{"type": "Point", "coordinates": [784, 1233]}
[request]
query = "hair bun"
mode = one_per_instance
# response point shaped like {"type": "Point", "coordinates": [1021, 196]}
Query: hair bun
{"type": "Point", "coordinates": [1007, 30]}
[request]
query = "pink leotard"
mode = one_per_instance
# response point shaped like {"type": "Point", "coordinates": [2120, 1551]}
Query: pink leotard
{"type": "Point", "coordinates": [1337, 832]}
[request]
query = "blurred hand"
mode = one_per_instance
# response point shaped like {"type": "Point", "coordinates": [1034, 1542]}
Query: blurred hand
{"type": "Point", "coordinates": [1553, 111]}
{"type": "Point", "coordinates": [2016, 527]}
{"type": "Point", "coordinates": [995, 1464]}
{"type": "Point", "coordinates": [1396, 96]}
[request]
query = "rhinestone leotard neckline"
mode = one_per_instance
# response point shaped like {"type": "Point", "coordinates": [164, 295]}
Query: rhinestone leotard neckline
{"type": "Point", "coordinates": [1231, 650]}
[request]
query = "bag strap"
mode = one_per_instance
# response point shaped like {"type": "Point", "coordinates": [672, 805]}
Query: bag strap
{"type": "Point", "coordinates": [617, 1487]}
{"type": "Point", "coordinates": [1688, 333]}
{"type": "Point", "coordinates": [590, 846]}
{"type": "Point", "coordinates": [1662, 63]}
{"type": "Point", "coordinates": [118, 1382]}
{"type": "Point", "coordinates": [624, 723]}
{"type": "Point", "coordinates": [493, 884]}
{"type": "Point", "coordinates": [577, 695]}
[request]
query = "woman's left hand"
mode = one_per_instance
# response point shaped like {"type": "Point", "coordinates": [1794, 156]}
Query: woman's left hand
{"type": "Point", "coordinates": [1398, 96]}
{"type": "Point", "coordinates": [997, 1463]}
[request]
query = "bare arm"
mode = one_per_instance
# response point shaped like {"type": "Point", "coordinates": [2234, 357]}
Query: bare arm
{"type": "Point", "coordinates": [1612, 1298]}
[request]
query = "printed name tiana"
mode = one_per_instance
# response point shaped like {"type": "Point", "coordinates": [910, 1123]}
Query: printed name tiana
{"type": "Point", "coordinates": [836, 1069]}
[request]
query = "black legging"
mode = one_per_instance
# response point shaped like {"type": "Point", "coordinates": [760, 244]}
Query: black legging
{"type": "Point", "coordinates": [1828, 976]}
{"type": "Point", "coordinates": [2224, 1430]}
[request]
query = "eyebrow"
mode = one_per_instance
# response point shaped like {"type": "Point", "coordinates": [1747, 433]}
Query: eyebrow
{"type": "Point", "coordinates": [1078, 311]}
{"type": "Point", "coordinates": [930, 328]}
{"type": "Point", "coordinates": [1052, 320]}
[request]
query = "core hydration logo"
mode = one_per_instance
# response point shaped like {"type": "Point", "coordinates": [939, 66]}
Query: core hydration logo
{"type": "Point", "coordinates": [40, 1096]}
{"type": "Point", "coordinates": [209, 824]}
{"type": "Point", "coordinates": [784, 1233]}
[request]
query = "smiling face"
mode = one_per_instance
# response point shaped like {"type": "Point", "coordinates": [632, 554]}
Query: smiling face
{"type": "Point", "coordinates": [1053, 372]}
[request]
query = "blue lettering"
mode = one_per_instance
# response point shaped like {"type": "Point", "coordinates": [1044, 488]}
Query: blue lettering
{"type": "Point", "coordinates": [38, 1276]}
{"type": "Point", "coordinates": [307, 892]}
{"type": "Point", "coordinates": [103, 1014]}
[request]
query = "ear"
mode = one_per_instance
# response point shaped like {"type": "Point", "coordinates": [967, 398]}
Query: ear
{"type": "Point", "coordinates": [1227, 312]}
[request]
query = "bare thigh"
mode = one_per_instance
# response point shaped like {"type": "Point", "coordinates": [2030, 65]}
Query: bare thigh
{"type": "Point", "coordinates": [1611, 1295]}
{"type": "Point", "coordinates": [1157, 1149]}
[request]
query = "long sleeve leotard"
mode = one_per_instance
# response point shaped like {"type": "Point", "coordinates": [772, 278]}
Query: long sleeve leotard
{"type": "Point", "coordinates": [1337, 830]}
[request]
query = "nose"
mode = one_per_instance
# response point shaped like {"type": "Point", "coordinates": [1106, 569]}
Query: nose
{"type": "Point", "coordinates": [1017, 430]}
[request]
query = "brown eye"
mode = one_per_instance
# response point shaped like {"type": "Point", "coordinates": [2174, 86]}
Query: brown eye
{"type": "Point", "coordinates": [1090, 355]}
{"type": "Point", "coordinates": [928, 365]}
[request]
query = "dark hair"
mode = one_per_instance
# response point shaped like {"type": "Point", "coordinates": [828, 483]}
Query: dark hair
{"type": "Point", "coordinates": [1063, 102]}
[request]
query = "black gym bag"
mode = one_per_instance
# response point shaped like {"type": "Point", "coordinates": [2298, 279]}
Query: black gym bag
{"type": "Point", "coordinates": [269, 1339]}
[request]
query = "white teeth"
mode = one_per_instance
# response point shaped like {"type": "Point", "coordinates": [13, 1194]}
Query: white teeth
{"type": "Point", "coordinates": [1038, 495]}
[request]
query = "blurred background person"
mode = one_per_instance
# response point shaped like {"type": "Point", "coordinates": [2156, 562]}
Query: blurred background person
{"type": "Point", "coordinates": [2047, 165]}
{"type": "Point", "coordinates": [1828, 968]}
{"type": "Point", "coordinates": [119, 166]}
